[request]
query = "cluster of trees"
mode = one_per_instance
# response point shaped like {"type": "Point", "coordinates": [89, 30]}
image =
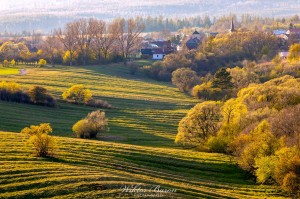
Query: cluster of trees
{"type": "Point", "coordinates": [85, 41]}
{"type": "Point", "coordinates": [91, 40]}
{"type": "Point", "coordinates": [156, 24]}
{"type": "Point", "coordinates": [12, 92]}
{"type": "Point", "coordinates": [218, 87]}
{"type": "Point", "coordinates": [251, 45]}
{"type": "Point", "coordinates": [23, 48]}
{"type": "Point", "coordinates": [162, 70]}
{"type": "Point", "coordinates": [260, 127]}
{"type": "Point", "coordinates": [38, 95]}
{"type": "Point", "coordinates": [250, 22]}
{"type": "Point", "coordinates": [225, 83]}
{"type": "Point", "coordinates": [78, 94]}
{"type": "Point", "coordinates": [223, 50]}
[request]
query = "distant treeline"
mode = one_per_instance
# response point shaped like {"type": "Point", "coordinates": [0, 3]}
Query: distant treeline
{"type": "Point", "coordinates": [156, 24]}
{"type": "Point", "coordinates": [160, 23]}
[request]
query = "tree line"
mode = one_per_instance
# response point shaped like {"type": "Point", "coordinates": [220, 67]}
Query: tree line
{"type": "Point", "coordinates": [85, 41]}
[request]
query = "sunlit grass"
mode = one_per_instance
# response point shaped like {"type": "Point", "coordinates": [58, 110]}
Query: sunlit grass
{"type": "Point", "coordinates": [8, 71]}
{"type": "Point", "coordinates": [139, 148]}
{"type": "Point", "coordinates": [146, 112]}
{"type": "Point", "coordinates": [90, 168]}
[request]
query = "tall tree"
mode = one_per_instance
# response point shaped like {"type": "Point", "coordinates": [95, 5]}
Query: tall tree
{"type": "Point", "coordinates": [128, 32]}
{"type": "Point", "coordinates": [98, 30]}
{"type": "Point", "coordinates": [84, 36]}
{"type": "Point", "coordinates": [222, 79]}
{"type": "Point", "coordinates": [200, 123]}
{"type": "Point", "coordinates": [51, 48]}
{"type": "Point", "coordinates": [67, 38]}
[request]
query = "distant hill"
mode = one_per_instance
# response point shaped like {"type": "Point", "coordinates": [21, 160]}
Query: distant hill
{"type": "Point", "coordinates": [30, 15]}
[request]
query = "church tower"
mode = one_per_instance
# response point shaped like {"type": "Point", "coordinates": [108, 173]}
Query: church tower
{"type": "Point", "coordinates": [232, 28]}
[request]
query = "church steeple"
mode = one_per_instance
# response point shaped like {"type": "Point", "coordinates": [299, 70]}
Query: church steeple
{"type": "Point", "coordinates": [232, 29]}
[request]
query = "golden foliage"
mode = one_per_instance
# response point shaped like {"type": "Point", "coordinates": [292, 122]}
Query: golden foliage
{"type": "Point", "coordinates": [38, 137]}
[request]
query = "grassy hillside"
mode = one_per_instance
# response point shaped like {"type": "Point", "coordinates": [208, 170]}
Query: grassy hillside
{"type": "Point", "coordinates": [139, 149]}
{"type": "Point", "coordinates": [90, 169]}
{"type": "Point", "coordinates": [146, 112]}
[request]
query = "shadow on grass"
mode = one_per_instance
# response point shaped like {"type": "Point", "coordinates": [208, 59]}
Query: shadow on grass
{"type": "Point", "coordinates": [121, 71]}
{"type": "Point", "coordinates": [135, 104]}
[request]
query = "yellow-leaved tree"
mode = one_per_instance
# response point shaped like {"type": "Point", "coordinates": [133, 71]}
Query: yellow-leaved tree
{"type": "Point", "coordinates": [200, 123]}
{"type": "Point", "coordinates": [38, 137]}
{"type": "Point", "coordinates": [77, 94]}
{"type": "Point", "coordinates": [294, 53]}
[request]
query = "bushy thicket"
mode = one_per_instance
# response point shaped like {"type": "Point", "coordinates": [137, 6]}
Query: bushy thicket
{"type": "Point", "coordinates": [90, 126]}
{"type": "Point", "coordinates": [12, 92]}
{"type": "Point", "coordinates": [39, 139]}
{"type": "Point", "coordinates": [217, 88]}
{"type": "Point", "coordinates": [78, 94]}
{"type": "Point", "coordinates": [185, 79]}
{"type": "Point", "coordinates": [162, 70]}
{"type": "Point", "coordinates": [261, 127]}
{"type": "Point", "coordinates": [97, 103]}
{"type": "Point", "coordinates": [225, 50]}
{"type": "Point", "coordinates": [241, 77]}
{"type": "Point", "coordinates": [39, 95]}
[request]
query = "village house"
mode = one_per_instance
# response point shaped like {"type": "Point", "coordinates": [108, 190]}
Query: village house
{"type": "Point", "coordinates": [157, 49]}
{"type": "Point", "coordinates": [158, 54]}
{"type": "Point", "coordinates": [293, 34]}
{"type": "Point", "coordinates": [194, 41]}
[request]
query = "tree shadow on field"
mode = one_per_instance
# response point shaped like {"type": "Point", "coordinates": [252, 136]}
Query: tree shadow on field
{"type": "Point", "coordinates": [138, 104]}
{"type": "Point", "coordinates": [121, 71]}
{"type": "Point", "coordinates": [131, 135]}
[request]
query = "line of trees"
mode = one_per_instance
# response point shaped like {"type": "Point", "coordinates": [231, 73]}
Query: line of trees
{"type": "Point", "coordinates": [88, 40]}
{"type": "Point", "coordinates": [84, 41]}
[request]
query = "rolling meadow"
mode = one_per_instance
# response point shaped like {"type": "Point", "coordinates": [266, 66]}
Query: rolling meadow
{"type": "Point", "coordinates": [139, 148]}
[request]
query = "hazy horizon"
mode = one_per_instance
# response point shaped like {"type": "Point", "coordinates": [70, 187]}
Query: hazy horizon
{"type": "Point", "coordinates": [30, 15]}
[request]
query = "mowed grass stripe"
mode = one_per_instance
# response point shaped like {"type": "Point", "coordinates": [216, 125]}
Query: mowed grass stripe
{"type": "Point", "coordinates": [144, 122]}
{"type": "Point", "coordinates": [108, 166]}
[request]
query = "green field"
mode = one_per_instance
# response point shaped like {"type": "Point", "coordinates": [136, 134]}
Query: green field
{"type": "Point", "coordinates": [138, 149]}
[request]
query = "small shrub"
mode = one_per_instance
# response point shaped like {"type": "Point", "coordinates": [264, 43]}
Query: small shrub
{"type": "Point", "coordinates": [91, 126]}
{"type": "Point", "coordinates": [42, 62]}
{"type": "Point", "coordinates": [5, 63]}
{"type": "Point", "coordinates": [97, 103]}
{"type": "Point", "coordinates": [207, 92]}
{"type": "Point", "coordinates": [77, 94]}
{"type": "Point", "coordinates": [13, 62]}
{"type": "Point", "coordinates": [39, 95]}
{"type": "Point", "coordinates": [42, 143]}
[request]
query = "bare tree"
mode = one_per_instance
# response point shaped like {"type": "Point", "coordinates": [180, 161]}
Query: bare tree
{"type": "Point", "coordinates": [127, 35]}
{"type": "Point", "coordinates": [84, 35]}
{"type": "Point", "coordinates": [68, 38]}
{"type": "Point", "coordinates": [98, 31]}
{"type": "Point", "coordinates": [109, 40]}
{"type": "Point", "coordinates": [51, 47]}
